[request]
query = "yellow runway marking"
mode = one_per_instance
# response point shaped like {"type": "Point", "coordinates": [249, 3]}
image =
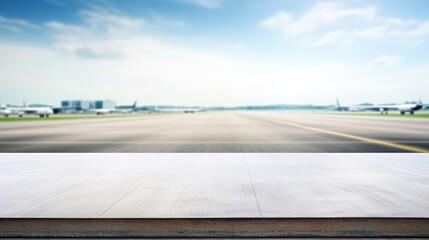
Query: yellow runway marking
{"type": "Point", "coordinates": [363, 139]}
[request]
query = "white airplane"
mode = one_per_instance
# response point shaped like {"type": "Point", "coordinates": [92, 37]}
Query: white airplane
{"type": "Point", "coordinates": [384, 109]}
{"type": "Point", "coordinates": [184, 110]}
{"type": "Point", "coordinates": [4, 110]}
{"type": "Point", "coordinates": [25, 110]}
{"type": "Point", "coordinates": [108, 111]}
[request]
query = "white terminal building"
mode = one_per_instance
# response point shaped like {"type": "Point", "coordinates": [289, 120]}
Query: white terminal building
{"type": "Point", "coordinates": [79, 105]}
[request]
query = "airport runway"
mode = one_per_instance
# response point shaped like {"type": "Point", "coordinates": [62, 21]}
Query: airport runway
{"type": "Point", "coordinates": [247, 131]}
{"type": "Point", "coordinates": [214, 185]}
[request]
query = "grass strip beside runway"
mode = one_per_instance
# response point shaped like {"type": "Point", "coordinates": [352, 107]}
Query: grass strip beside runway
{"type": "Point", "coordinates": [375, 114]}
{"type": "Point", "coordinates": [72, 117]}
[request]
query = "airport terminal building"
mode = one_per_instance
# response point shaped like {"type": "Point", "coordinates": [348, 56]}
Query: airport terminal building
{"type": "Point", "coordinates": [82, 105]}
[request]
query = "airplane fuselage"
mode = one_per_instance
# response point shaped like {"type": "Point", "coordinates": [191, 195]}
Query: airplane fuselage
{"type": "Point", "coordinates": [42, 112]}
{"type": "Point", "coordinates": [383, 109]}
{"type": "Point", "coordinates": [108, 111]}
{"type": "Point", "coordinates": [5, 112]}
{"type": "Point", "coordinates": [103, 111]}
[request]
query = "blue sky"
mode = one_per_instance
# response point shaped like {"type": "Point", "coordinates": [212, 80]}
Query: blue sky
{"type": "Point", "coordinates": [214, 52]}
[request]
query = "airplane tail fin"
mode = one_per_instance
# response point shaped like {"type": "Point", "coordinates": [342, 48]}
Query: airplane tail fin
{"type": "Point", "coordinates": [420, 100]}
{"type": "Point", "coordinates": [134, 105]}
{"type": "Point", "coordinates": [25, 104]}
{"type": "Point", "coordinates": [338, 103]}
{"type": "Point", "coordinates": [1, 104]}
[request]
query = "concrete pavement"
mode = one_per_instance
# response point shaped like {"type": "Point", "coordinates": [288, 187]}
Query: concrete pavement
{"type": "Point", "coordinates": [247, 131]}
{"type": "Point", "coordinates": [214, 185]}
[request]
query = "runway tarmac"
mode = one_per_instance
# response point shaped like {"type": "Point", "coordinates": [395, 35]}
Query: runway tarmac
{"type": "Point", "coordinates": [246, 131]}
{"type": "Point", "coordinates": [218, 185]}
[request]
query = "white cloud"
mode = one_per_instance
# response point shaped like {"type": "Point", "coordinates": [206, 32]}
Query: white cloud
{"type": "Point", "coordinates": [421, 30]}
{"type": "Point", "coordinates": [10, 28]}
{"type": "Point", "coordinates": [89, 50]}
{"type": "Point", "coordinates": [160, 20]}
{"type": "Point", "coordinates": [281, 22]}
{"type": "Point", "coordinates": [15, 25]}
{"type": "Point", "coordinates": [114, 23]}
{"type": "Point", "coordinates": [66, 33]}
{"type": "Point", "coordinates": [386, 60]}
{"type": "Point", "coordinates": [89, 62]}
{"type": "Point", "coordinates": [393, 28]}
{"type": "Point", "coordinates": [56, 2]}
{"type": "Point", "coordinates": [323, 14]}
{"type": "Point", "coordinates": [373, 32]}
{"type": "Point", "coordinates": [400, 22]}
{"type": "Point", "coordinates": [102, 21]}
{"type": "Point", "coordinates": [102, 27]}
{"type": "Point", "coordinates": [155, 72]}
{"type": "Point", "coordinates": [328, 38]}
{"type": "Point", "coordinates": [204, 3]}
{"type": "Point", "coordinates": [67, 28]}
{"type": "Point", "coordinates": [18, 22]}
{"type": "Point", "coordinates": [326, 21]}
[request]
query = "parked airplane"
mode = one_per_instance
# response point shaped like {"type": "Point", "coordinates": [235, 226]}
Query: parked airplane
{"type": "Point", "coordinates": [108, 111]}
{"type": "Point", "coordinates": [340, 108]}
{"type": "Point", "coordinates": [25, 110]}
{"type": "Point", "coordinates": [4, 110]}
{"type": "Point", "coordinates": [402, 108]}
{"type": "Point", "coordinates": [128, 110]}
{"type": "Point", "coordinates": [184, 110]}
{"type": "Point", "coordinates": [384, 109]}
